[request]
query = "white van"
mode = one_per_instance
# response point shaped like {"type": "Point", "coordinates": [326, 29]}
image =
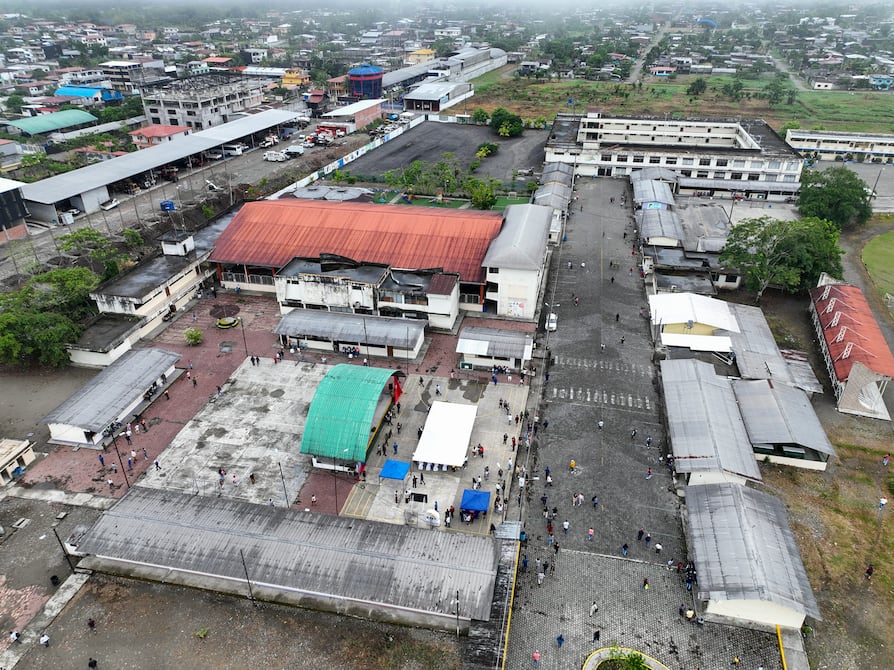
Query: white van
{"type": "Point", "coordinates": [232, 149]}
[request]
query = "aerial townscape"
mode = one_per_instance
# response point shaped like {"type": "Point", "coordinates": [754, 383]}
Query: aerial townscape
{"type": "Point", "coordinates": [436, 335]}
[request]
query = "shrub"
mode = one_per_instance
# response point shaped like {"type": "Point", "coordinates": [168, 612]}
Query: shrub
{"type": "Point", "coordinates": [193, 336]}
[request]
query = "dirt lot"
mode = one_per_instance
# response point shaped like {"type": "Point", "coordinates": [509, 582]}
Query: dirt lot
{"type": "Point", "coordinates": [428, 141]}
{"type": "Point", "coordinates": [154, 627]}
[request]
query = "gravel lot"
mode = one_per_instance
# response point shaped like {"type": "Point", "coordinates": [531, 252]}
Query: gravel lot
{"type": "Point", "coordinates": [428, 141]}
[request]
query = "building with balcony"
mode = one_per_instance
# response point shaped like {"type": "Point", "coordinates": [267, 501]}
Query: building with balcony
{"type": "Point", "coordinates": [841, 146]}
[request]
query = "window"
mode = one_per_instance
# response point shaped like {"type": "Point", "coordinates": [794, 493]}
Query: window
{"type": "Point", "coordinates": [702, 174]}
{"type": "Point", "coordinates": [639, 158]}
{"type": "Point", "coordinates": [736, 176]}
{"type": "Point", "coordinates": [739, 163]}
{"type": "Point", "coordinates": [670, 160]}
{"type": "Point", "coordinates": [686, 173]}
{"type": "Point", "coordinates": [788, 177]}
{"type": "Point", "coordinates": [494, 271]}
{"type": "Point", "coordinates": [654, 160]}
{"type": "Point", "coordinates": [606, 158]}
{"type": "Point", "coordinates": [775, 165]}
{"type": "Point", "coordinates": [722, 162]}
{"type": "Point", "coordinates": [621, 158]}
{"type": "Point", "coordinates": [754, 177]}
{"type": "Point", "coordinates": [704, 162]}
{"type": "Point", "coordinates": [688, 161]}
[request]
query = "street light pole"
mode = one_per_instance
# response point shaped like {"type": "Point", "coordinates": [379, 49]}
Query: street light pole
{"type": "Point", "coordinates": [115, 444]}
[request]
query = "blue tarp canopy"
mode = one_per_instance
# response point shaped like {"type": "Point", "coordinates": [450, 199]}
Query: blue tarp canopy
{"type": "Point", "coordinates": [475, 501]}
{"type": "Point", "coordinates": [394, 470]}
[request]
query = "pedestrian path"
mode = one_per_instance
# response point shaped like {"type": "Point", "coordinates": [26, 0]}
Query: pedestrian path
{"type": "Point", "coordinates": [606, 365]}
{"type": "Point", "coordinates": [599, 396]}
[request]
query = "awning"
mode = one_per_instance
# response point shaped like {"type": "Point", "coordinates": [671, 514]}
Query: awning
{"type": "Point", "coordinates": [475, 501]}
{"type": "Point", "coordinates": [445, 439]}
{"type": "Point", "coordinates": [395, 470]}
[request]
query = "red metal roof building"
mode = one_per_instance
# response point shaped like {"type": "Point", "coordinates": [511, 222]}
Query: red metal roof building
{"type": "Point", "coordinates": [265, 235]}
{"type": "Point", "coordinates": [857, 355]}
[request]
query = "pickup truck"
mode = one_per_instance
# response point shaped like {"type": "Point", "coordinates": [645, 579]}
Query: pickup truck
{"type": "Point", "coordinates": [294, 150]}
{"type": "Point", "coordinates": [275, 156]}
{"type": "Point", "coordinates": [109, 204]}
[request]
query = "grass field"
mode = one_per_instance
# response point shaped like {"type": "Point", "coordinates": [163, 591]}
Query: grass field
{"type": "Point", "coordinates": [878, 256]}
{"type": "Point", "coordinates": [829, 110]}
{"type": "Point", "coordinates": [503, 202]}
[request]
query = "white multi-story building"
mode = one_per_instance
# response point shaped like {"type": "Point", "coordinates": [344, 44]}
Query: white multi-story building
{"type": "Point", "coordinates": [711, 157]}
{"type": "Point", "coordinates": [829, 145]}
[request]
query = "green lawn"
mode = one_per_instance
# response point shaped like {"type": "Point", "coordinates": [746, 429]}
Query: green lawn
{"type": "Point", "coordinates": [878, 255]}
{"type": "Point", "coordinates": [503, 202]}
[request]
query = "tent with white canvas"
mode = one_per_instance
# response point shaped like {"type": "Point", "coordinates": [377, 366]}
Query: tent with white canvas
{"type": "Point", "coordinates": [445, 437]}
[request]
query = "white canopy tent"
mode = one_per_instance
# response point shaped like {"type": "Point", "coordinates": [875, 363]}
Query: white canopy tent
{"type": "Point", "coordinates": [445, 438]}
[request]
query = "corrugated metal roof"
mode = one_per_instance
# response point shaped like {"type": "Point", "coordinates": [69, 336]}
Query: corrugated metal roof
{"type": "Point", "coordinates": [342, 410]}
{"type": "Point", "coordinates": [757, 356]}
{"type": "Point", "coordinates": [45, 123]}
{"type": "Point", "coordinates": [744, 549]}
{"type": "Point", "coordinates": [778, 414]}
{"type": "Point", "coordinates": [705, 429]}
{"type": "Point", "coordinates": [655, 173]}
{"type": "Point", "coordinates": [63, 186]}
{"type": "Point", "coordinates": [271, 233]}
{"type": "Point", "coordinates": [850, 330]}
{"type": "Point", "coordinates": [479, 341]}
{"type": "Point", "coordinates": [521, 244]}
{"type": "Point", "coordinates": [380, 331]}
{"type": "Point", "coordinates": [660, 223]}
{"type": "Point", "coordinates": [649, 190]}
{"type": "Point", "coordinates": [100, 401]}
{"type": "Point", "coordinates": [351, 559]}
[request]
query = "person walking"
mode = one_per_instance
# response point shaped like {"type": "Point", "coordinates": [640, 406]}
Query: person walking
{"type": "Point", "coordinates": [590, 535]}
{"type": "Point", "coordinates": [648, 538]}
{"type": "Point", "coordinates": [102, 461]}
{"type": "Point", "coordinates": [658, 547]}
{"type": "Point", "coordinates": [565, 526]}
{"type": "Point", "coordinates": [869, 572]}
{"type": "Point", "coordinates": [92, 664]}
{"type": "Point", "coordinates": [540, 577]}
{"type": "Point", "coordinates": [886, 459]}
{"type": "Point", "coordinates": [536, 657]}
{"type": "Point", "coordinates": [44, 640]}
{"type": "Point", "coordinates": [624, 549]}
{"type": "Point", "coordinates": [560, 640]}
{"type": "Point", "coordinates": [646, 584]}
{"type": "Point", "coordinates": [594, 608]}
{"type": "Point", "coordinates": [639, 535]}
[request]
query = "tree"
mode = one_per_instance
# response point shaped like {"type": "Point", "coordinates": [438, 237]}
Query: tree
{"type": "Point", "coordinates": [14, 104]}
{"type": "Point", "coordinates": [479, 116]}
{"type": "Point", "coordinates": [29, 338]}
{"type": "Point", "coordinates": [96, 246]}
{"type": "Point", "coordinates": [482, 192]}
{"type": "Point", "coordinates": [697, 87]}
{"type": "Point", "coordinates": [193, 336]}
{"type": "Point", "coordinates": [788, 254]}
{"type": "Point", "coordinates": [505, 123]}
{"type": "Point", "coordinates": [837, 195]}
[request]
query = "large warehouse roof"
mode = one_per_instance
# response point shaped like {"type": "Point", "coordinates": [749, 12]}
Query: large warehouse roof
{"type": "Point", "coordinates": [744, 548]}
{"type": "Point", "coordinates": [46, 123]}
{"type": "Point", "coordinates": [776, 414]}
{"type": "Point", "coordinates": [272, 233]}
{"type": "Point", "coordinates": [64, 186]}
{"type": "Point", "coordinates": [704, 425]}
{"type": "Point", "coordinates": [850, 330]}
{"type": "Point", "coordinates": [341, 413]}
{"type": "Point", "coordinates": [100, 401]}
{"type": "Point", "coordinates": [346, 559]}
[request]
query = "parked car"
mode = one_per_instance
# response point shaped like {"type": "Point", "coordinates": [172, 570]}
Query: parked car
{"type": "Point", "coordinates": [109, 204]}
{"type": "Point", "coordinates": [552, 322]}
{"type": "Point", "coordinates": [269, 141]}
{"type": "Point", "coordinates": [294, 150]}
{"type": "Point", "coordinates": [214, 155]}
{"type": "Point", "coordinates": [275, 156]}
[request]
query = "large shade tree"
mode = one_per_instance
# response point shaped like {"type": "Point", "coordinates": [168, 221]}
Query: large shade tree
{"type": "Point", "coordinates": [835, 194]}
{"type": "Point", "coordinates": [787, 254]}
